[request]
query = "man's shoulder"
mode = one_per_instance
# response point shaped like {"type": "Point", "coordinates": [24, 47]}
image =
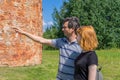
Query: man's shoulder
{"type": "Point", "coordinates": [61, 39]}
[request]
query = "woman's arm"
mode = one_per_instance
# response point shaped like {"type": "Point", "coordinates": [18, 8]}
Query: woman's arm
{"type": "Point", "coordinates": [92, 72]}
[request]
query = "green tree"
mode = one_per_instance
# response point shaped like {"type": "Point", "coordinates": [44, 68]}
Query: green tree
{"type": "Point", "coordinates": [50, 33]}
{"type": "Point", "coordinates": [102, 14]}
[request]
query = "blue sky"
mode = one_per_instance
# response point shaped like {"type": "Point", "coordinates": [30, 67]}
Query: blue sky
{"type": "Point", "coordinates": [48, 7]}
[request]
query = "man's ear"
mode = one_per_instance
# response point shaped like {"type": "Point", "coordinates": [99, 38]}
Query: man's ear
{"type": "Point", "coordinates": [73, 29]}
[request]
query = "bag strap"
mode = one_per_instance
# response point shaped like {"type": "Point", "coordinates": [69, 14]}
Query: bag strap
{"type": "Point", "coordinates": [99, 67]}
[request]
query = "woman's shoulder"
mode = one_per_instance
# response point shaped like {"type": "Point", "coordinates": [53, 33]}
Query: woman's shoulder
{"type": "Point", "coordinates": [88, 52]}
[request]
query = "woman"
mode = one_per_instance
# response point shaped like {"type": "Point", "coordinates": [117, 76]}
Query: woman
{"type": "Point", "coordinates": [86, 63]}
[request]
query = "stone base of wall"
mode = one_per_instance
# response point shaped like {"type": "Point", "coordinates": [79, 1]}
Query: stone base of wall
{"type": "Point", "coordinates": [21, 56]}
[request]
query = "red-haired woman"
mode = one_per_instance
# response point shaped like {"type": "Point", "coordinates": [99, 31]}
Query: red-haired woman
{"type": "Point", "coordinates": [86, 63]}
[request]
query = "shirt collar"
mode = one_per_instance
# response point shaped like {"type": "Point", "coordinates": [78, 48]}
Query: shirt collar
{"type": "Point", "coordinates": [66, 40]}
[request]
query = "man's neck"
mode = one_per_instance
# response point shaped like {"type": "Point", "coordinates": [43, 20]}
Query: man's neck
{"type": "Point", "coordinates": [72, 38]}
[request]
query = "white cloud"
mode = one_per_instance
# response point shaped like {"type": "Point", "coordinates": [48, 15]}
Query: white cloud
{"type": "Point", "coordinates": [44, 24]}
{"type": "Point", "coordinates": [47, 24]}
{"type": "Point", "coordinates": [50, 23]}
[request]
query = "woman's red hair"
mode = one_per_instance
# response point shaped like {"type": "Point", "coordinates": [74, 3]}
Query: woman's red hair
{"type": "Point", "coordinates": [88, 39]}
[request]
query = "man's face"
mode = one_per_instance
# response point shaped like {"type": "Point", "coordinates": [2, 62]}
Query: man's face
{"type": "Point", "coordinates": [67, 31]}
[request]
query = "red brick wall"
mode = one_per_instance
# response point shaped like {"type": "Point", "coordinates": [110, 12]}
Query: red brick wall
{"type": "Point", "coordinates": [17, 49]}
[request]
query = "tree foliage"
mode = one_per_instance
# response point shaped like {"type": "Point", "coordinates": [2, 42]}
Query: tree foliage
{"type": "Point", "coordinates": [50, 33]}
{"type": "Point", "coordinates": [104, 15]}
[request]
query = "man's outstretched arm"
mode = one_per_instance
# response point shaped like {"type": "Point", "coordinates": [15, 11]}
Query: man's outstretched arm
{"type": "Point", "coordinates": [34, 37]}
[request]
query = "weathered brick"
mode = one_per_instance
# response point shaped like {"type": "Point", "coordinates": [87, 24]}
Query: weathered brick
{"type": "Point", "coordinates": [17, 49]}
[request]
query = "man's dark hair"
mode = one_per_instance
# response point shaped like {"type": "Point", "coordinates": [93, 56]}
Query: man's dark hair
{"type": "Point", "coordinates": [73, 22]}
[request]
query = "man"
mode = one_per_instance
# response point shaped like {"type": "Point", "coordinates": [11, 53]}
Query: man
{"type": "Point", "coordinates": [68, 47]}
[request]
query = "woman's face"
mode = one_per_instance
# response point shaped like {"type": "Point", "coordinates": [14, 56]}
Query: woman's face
{"type": "Point", "coordinates": [78, 37]}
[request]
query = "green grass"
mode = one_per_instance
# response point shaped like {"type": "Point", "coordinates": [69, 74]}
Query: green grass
{"type": "Point", "coordinates": [109, 59]}
{"type": "Point", "coordinates": [45, 71]}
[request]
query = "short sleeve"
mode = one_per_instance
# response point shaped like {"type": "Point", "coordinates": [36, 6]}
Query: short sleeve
{"type": "Point", "coordinates": [58, 42]}
{"type": "Point", "coordinates": [92, 59]}
{"type": "Point", "coordinates": [54, 42]}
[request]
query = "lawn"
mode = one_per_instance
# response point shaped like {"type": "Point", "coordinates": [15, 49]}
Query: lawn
{"type": "Point", "coordinates": [109, 59]}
